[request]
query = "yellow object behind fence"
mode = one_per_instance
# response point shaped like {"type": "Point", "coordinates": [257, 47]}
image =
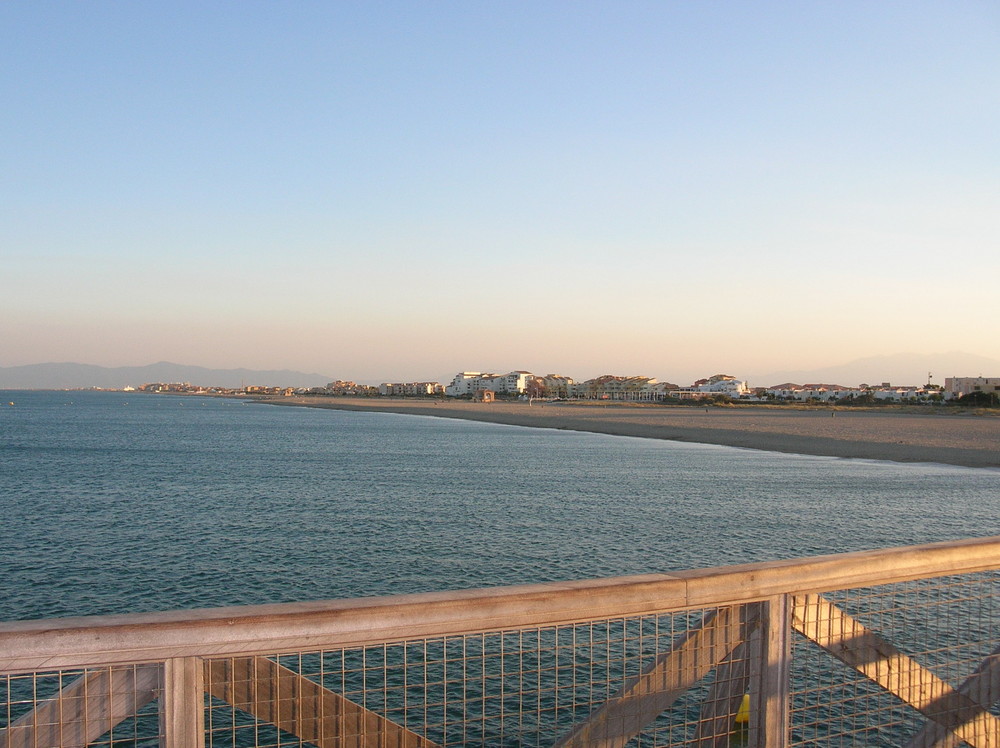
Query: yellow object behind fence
{"type": "Point", "coordinates": [743, 713]}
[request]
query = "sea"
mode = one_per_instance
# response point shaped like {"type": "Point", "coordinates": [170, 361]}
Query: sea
{"type": "Point", "coordinates": [117, 502]}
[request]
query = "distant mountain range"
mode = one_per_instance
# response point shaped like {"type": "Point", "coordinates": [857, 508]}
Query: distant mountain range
{"type": "Point", "coordinates": [67, 376]}
{"type": "Point", "coordinates": [897, 369]}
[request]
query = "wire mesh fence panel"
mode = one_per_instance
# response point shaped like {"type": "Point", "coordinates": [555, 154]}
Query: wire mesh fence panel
{"type": "Point", "coordinates": [108, 706]}
{"type": "Point", "coordinates": [228, 727]}
{"type": "Point", "coordinates": [531, 687]}
{"type": "Point", "coordinates": [914, 663]}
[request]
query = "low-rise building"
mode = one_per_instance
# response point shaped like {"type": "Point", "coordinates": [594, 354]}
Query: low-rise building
{"type": "Point", "coordinates": [554, 385]}
{"type": "Point", "coordinates": [340, 387]}
{"type": "Point", "coordinates": [802, 392]}
{"type": "Point", "coordinates": [914, 393]}
{"type": "Point", "coordinates": [410, 389]}
{"type": "Point", "coordinates": [723, 384]}
{"type": "Point", "coordinates": [884, 392]}
{"type": "Point", "coordinates": [719, 384]}
{"type": "Point", "coordinates": [256, 389]}
{"type": "Point", "coordinates": [629, 388]}
{"type": "Point", "coordinates": [958, 386]}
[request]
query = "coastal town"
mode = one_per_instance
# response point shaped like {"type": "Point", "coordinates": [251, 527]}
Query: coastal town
{"type": "Point", "coordinates": [719, 388]}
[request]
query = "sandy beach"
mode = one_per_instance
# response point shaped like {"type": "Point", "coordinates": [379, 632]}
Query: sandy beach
{"type": "Point", "coordinates": [942, 435]}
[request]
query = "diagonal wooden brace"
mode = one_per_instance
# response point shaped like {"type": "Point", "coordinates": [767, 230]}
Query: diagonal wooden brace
{"type": "Point", "coordinates": [85, 709]}
{"type": "Point", "coordinates": [718, 712]}
{"type": "Point", "coordinates": [983, 687]}
{"type": "Point", "coordinates": [643, 698]}
{"type": "Point", "coordinates": [862, 649]}
{"type": "Point", "coordinates": [302, 707]}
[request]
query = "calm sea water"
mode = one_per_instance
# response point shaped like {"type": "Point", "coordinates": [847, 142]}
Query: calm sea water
{"type": "Point", "coordinates": [115, 502]}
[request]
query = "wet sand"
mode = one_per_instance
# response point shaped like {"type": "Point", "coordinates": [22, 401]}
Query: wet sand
{"type": "Point", "coordinates": [942, 435]}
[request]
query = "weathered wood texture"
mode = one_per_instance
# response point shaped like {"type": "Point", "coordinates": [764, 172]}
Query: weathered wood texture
{"type": "Point", "coordinates": [29, 646]}
{"type": "Point", "coordinates": [693, 656]}
{"type": "Point", "coordinates": [280, 696]}
{"type": "Point", "coordinates": [182, 703]}
{"type": "Point", "coordinates": [982, 686]}
{"type": "Point", "coordinates": [85, 709]}
{"type": "Point", "coordinates": [732, 680]}
{"type": "Point", "coordinates": [769, 686]}
{"type": "Point", "coordinates": [868, 653]}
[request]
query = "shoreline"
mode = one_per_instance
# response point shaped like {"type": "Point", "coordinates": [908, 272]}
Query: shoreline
{"type": "Point", "coordinates": [961, 440]}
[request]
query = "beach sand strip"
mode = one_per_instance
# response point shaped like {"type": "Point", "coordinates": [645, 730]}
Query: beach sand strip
{"type": "Point", "coordinates": [941, 435]}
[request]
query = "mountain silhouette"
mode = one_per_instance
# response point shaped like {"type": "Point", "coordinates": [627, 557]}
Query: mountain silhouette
{"type": "Point", "coordinates": [897, 369]}
{"type": "Point", "coordinates": [60, 376]}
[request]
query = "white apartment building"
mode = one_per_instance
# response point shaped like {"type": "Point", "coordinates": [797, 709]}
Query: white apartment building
{"type": "Point", "coordinates": [470, 382]}
{"type": "Point", "coordinates": [823, 393]}
{"type": "Point", "coordinates": [464, 383]}
{"type": "Point", "coordinates": [832, 394]}
{"type": "Point", "coordinates": [720, 384]}
{"type": "Point", "coordinates": [507, 384]}
{"type": "Point", "coordinates": [897, 394]}
{"type": "Point", "coordinates": [724, 384]}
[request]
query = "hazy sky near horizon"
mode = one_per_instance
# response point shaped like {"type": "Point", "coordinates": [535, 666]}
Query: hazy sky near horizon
{"type": "Point", "coordinates": [403, 190]}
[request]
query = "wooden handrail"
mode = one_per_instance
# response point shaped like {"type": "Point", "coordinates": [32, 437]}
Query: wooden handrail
{"type": "Point", "coordinates": [30, 646]}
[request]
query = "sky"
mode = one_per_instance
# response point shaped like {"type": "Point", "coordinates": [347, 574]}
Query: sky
{"type": "Point", "coordinates": [386, 191]}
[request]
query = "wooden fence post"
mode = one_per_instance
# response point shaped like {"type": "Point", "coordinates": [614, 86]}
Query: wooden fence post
{"type": "Point", "coordinates": [182, 703]}
{"type": "Point", "coordinates": [769, 674]}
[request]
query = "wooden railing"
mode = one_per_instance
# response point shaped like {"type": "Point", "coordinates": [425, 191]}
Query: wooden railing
{"type": "Point", "coordinates": [742, 637]}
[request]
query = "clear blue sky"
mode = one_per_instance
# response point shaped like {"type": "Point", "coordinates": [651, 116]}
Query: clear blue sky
{"type": "Point", "coordinates": [403, 190]}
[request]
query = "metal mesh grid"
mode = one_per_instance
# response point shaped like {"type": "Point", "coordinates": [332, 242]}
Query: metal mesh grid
{"type": "Point", "coordinates": [891, 665]}
{"type": "Point", "coordinates": [922, 639]}
{"type": "Point", "coordinates": [107, 706]}
{"type": "Point", "coordinates": [515, 688]}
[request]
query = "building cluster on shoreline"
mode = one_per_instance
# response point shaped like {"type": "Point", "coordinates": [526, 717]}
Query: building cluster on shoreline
{"type": "Point", "coordinates": [523, 384]}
